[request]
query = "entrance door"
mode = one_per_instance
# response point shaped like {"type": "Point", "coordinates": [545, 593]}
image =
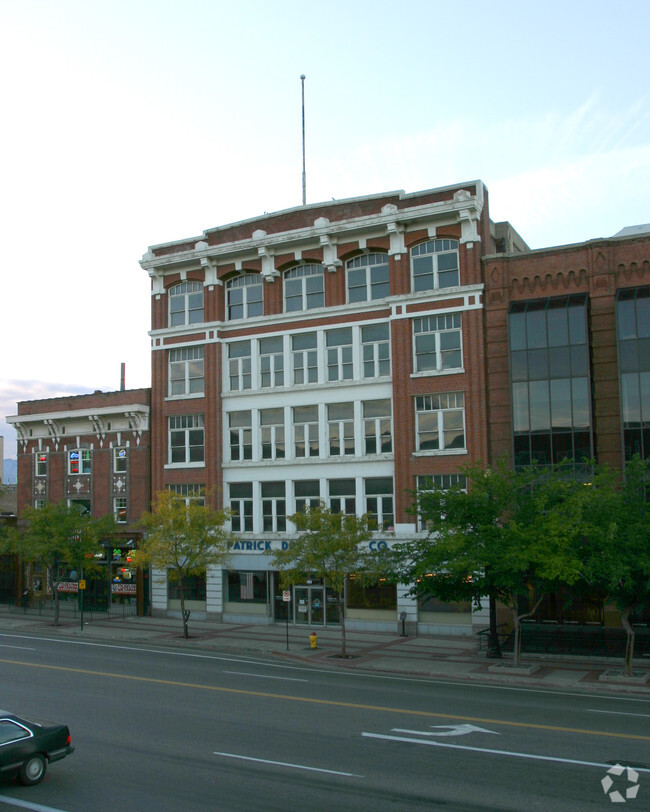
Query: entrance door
{"type": "Point", "coordinates": [309, 605]}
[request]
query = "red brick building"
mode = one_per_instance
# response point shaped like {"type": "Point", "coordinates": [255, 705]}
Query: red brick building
{"type": "Point", "coordinates": [92, 451]}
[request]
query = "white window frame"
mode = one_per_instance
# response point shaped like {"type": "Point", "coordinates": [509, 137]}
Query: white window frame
{"type": "Point", "coordinates": [242, 519]}
{"type": "Point", "coordinates": [431, 253]}
{"type": "Point", "coordinates": [340, 356]}
{"type": "Point", "coordinates": [370, 266]}
{"type": "Point", "coordinates": [191, 312]}
{"type": "Point", "coordinates": [83, 459]}
{"type": "Point", "coordinates": [278, 508]}
{"type": "Point", "coordinates": [270, 362]}
{"type": "Point", "coordinates": [375, 353]}
{"type": "Point", "coordinates": [304, 361]}
{"type": "Point", "coordinates": [345, 503]}
{"type": "Point", "coordinates": [120, 459]}
{"type": "Point", "coordinates": [374, 426]}
{"type": "Point", "coordinates": [304, 501]}
{"type": "Point", "coordinates": [439, 329]}
{"type": "Point", "coordinates": [240, 429]}
{"type": "Point", "coordinates": [239, 367]}
{"type": "Point", "coordinates": [190, 426]}
{"type": "Point", "coordinates": [186, 371]}
{"type": "Point", "coordinates": [305, 432]}
{"type": "Point", "coordinates": [40, 463]}
{"type": "Point", "coordinates": [250, 308]}
{"type": "Point", "coordinates": [440, 482]}
{"type": "Point", "coordinates": [119, 505]}
{"type": "Point", "coordinates": [272, 434]}
{"type": "Point", "coordinates": [341, 430]}
{"type": "Point", "coordinates": [442, 409]}
{"type": "Point", "coordinates": [383, 511]}
{"type": "Point", "coordinates": [298, 278]}
{"type": "Point", "coordinates": [192, 493]}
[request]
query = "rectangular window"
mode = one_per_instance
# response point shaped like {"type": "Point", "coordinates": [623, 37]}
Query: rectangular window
{"type": "Point", "coordinates": [271, 360]}
{"type": "Point", "coordinates": [119, 509]}
{"type": "Point", "coordinates": [272, 433]}
{"type": "Point", "coordinates": [241, 506]}
{"type": "Point", "coordinates": [186, 373]}
{"type": "Point", "coordinates": [194, 493]}
{"type": "Point", "coordinates": [193, 588]}
{"type": "Point", "coordinates": [186, 439]}
{"type": "Point", "coordinates": [274, 507]}
{"type": "Point", "coordinates": [241, 435]}
{"type": "Point", "coordinates": [305, 358]}
{"type": "Point", "coordinates": [41, 464]}
{"type": "Point", "coordinates": [439, 482]}
{"type": "Point", "coordinates": [633, 329]}
{"type": "Point", "coordinates": [119, 460]}
{"type": "Point", "coordinates": [307, 494]}
{"type": "Point", "coordinates": [79, 461]}
{"type": "Point", "coordinates": [375, 349]}
{"type": "Point", "coordinates": [437, 343]}
{"type": "Point", "coordinates": [340, 423]}
{"type": "Point", "coordinates": [377, 426]}
{"type": "Point", "coordinates": [379, 501]}
{"type": "Point", "coordinates": [342, 496]}
{"type": "Point", "coordinates": [39, 504]}
{"type": "Point", "coordinates": [247, 587]}
{"type": "Point", "coordinates": [440, 421]}
{"type": "Point", "coordinates": [305, 431]}
{"type": "Point", "coordinates": [339, 354]}
{"type": "Point", "coordinates": [239, 365]}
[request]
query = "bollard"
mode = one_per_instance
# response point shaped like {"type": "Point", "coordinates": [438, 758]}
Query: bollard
{"type": "Point", "coordinates": [313, 639]}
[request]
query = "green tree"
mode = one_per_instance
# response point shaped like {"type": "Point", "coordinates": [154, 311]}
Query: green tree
{"type": "Point", "coordinates": [330, 546]}
{"type": "Point", "coordinates": [494, 539]}
{"type": "Point", "coordinates": [184, 539]}
{"type": "Point", "coordinates": [613, 541]}
{"type": "Point", "coordinates": [61, 538]}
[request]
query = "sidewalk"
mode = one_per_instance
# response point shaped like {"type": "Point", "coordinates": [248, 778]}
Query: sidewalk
{"type": "Point", "coordinates": [446, 657]}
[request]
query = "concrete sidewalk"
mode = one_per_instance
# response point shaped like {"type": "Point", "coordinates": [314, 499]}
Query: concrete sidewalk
{"type": "Point", "coordinates": [446, 657]}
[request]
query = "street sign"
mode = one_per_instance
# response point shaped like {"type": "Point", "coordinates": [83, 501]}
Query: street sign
{"type": "Point", "coordinates": [82, 584]}
{"type": "Point", "coordinates": [286, 595]}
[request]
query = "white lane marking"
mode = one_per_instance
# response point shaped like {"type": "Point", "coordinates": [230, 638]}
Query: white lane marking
{"type": "Point", "coordinates": [343, 672]}
{"type": "Point", "coordinates": [446, 730]}
{"type": "Point", "coordinates": [620, 713]}
{"type": "Point", "coordinates": [514, 754]}
{"type": "Point", "coordinates": [22, 648]}
{"type": "Point", "coordinates": [265, 676]}
{"type": "Point", "coordinates": [28, 805]}
{"type": "Point", "coordinates": [286, 764]}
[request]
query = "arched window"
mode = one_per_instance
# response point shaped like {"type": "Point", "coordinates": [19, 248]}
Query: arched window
{"type": "Point", "coordinates": [186, 304]}
{"type": "Point", "coordinates": [435, 265]}
{"type": "Point", "coordinates": [244, 297]}
{"type": "Point", "coordinates": [304, 287]}
{"type": "Point", "coordinates": [367, 277]}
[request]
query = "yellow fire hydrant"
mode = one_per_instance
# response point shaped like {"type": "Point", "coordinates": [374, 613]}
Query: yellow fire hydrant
{"type": "Point", "coordinates": [313, 639]}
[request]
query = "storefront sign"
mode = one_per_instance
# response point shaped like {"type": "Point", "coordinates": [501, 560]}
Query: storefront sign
{"type": "Point", "coordinates": [68, 586]}
{"type": "Point", "coordinates": [259, 546]}
{"type": "Point", "coordinates": [123, 589]}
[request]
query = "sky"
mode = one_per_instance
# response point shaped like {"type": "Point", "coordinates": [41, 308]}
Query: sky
{"type": "Point", "coordinates": [130, 123]}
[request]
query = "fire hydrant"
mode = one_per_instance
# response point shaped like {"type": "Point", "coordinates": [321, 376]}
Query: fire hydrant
{"type": "Point", "coordinates": [313, 639]}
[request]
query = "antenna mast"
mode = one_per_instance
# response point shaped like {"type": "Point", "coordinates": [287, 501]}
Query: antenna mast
{"type": "Point", "coordinates": [304, 174]}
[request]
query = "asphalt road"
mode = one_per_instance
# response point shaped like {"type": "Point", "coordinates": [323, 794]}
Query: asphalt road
{"type": "Point", "coordinates": [156, 729]}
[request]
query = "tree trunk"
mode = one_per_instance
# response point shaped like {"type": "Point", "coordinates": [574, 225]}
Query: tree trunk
{"type": "Point", "coordinates": [629, 642]}
{"type": "Point", "coordinates": [517, 618]}
{"type": "Point", "coordinates": [183, 615]}
{"type": "Point", "coordinates": [493, 647]}
{"type": "Point", "coordinates": [342, 620]}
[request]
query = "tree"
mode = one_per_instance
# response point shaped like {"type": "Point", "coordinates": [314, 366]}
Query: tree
{"type": "Point", "coordinates": [614, 541]}
{"type": "Point", "coordinates": [494, 539]}
{"type": "Point", "coordinates": [183, 539]}
{"type": "Point", "coordinates": [60, 537]}
{"type": "Point", "coordinates": [330, 546]}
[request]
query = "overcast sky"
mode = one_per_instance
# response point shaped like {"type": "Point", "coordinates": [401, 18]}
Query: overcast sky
{"type": "Point", "coordinates": [130, 123]}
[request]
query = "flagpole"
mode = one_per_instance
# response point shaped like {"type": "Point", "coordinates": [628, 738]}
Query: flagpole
{"type": "Point", "coordinates": [304, 174]}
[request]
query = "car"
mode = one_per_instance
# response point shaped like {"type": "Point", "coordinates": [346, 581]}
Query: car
{"type": "Point", "coordinates": [26, 748]}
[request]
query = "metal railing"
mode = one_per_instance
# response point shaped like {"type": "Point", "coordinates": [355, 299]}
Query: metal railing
{"type": "Point", "coordinates": [69, 610]}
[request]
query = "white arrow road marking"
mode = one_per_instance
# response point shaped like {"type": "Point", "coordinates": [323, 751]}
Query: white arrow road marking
{"type": "Point", "coordinates": [511, 753]}
{"type": "Point", "coordinates": [446, 730]}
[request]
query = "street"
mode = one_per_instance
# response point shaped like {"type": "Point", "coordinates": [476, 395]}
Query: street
{"type": "Point", "coordinates": [160, 729]}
